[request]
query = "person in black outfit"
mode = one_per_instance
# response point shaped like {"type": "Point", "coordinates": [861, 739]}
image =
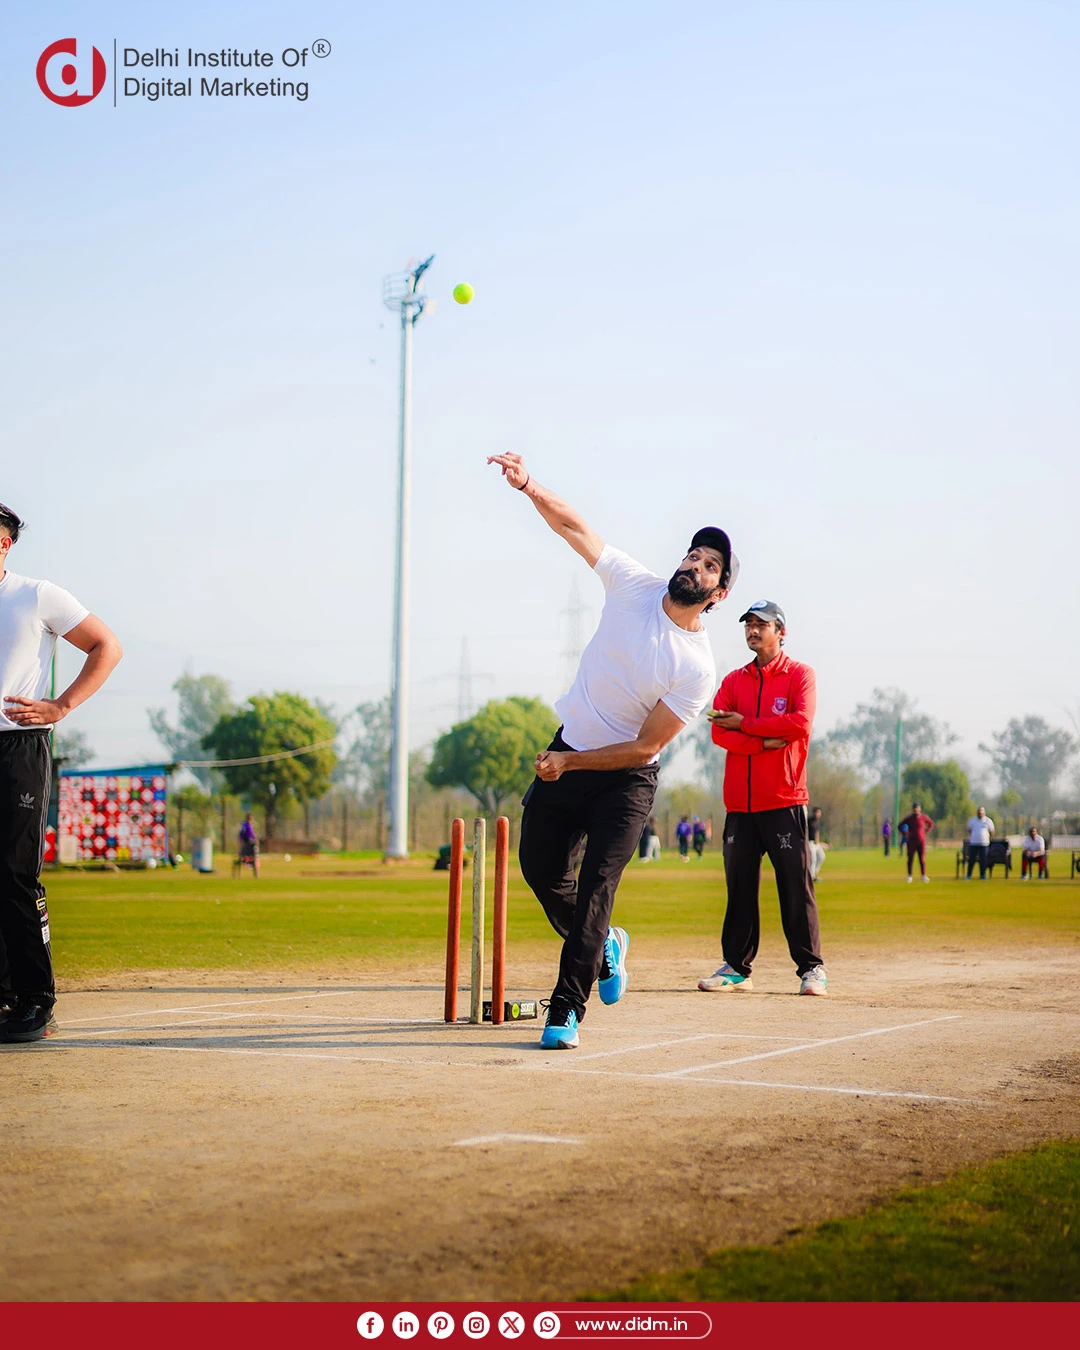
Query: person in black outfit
{"type": "Point", "coordinates": [33, 614]}
{"type": "Point", "coordinates": [646, 672]}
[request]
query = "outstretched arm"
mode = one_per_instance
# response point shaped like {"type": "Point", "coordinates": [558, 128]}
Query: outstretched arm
{"type": "Point", "coordinates": [562, 518]}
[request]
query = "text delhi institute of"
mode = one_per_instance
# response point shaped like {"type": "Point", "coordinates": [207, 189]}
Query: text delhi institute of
{"type": "Point", "coordinates": [216, 87]}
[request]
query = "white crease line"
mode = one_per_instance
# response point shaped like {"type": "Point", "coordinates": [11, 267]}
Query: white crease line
{"type": "Point", "coordinates": [682, 1040]}
{"type": "Point", "coordinates": [808, 1045]}
{"type": "Point", "coordinates": [653, 1045]}
{"type": "Point", "coordinates": [202, 1007]}
{"type": "Point", "coordinates": [305, 1054]}
{"type": "Point", "coordinates": [389, 1022]}
{"type": "Point", "coordinates": [756, 1083]}
{"type": "Point", "coordinates": [585, 1073]}
{"type": "Point", "coordinates": [483, 1139]}
{"type": "Point", "coordinates": [847, 1091]}
{"type": "Point", "coordinates": [392, 1023]}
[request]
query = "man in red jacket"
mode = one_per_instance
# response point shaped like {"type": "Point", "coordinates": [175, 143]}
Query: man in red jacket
{"type": "Point", "coordinates": [762, 717]}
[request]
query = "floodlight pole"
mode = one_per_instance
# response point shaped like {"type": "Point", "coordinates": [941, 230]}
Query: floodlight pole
{"type": "Point", "coordinates": [402, 292]}
{"type": "Point", "coordinates": [899, 741]}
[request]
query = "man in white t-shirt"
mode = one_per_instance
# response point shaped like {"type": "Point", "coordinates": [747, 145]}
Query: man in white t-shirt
{"type": "Point", "coordinates": [33, 614]}
{"type": "Point", "coordinates": [647, 671]}
{"type": "Point", "coordinates": [1033, 855]}
{"type": "Point", "coordinates": [980, 828]}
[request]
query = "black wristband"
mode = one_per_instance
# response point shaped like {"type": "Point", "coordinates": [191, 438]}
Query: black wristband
{"type": "Point", "coordinates": [528, 480]}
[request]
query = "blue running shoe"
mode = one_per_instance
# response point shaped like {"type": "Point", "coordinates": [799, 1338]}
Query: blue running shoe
{"type": "Point", "coordinates": [612, 982]}
{"type": "Point", "coordinates": [560, 1029]}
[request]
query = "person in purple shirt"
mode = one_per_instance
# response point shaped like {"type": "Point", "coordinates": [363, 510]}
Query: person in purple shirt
{"type": "Point", "coordinates": [683, 832]}
{"type": "Point", "coordinates": [249, 845]}
{"type": "Point", "coordinates": [886, 833]}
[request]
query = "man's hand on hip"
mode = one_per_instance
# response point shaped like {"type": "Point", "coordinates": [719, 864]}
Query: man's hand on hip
{"type": "Point", "coordinates": [33, 712]}
{"type": "Point", "coordinates": [551, 764]}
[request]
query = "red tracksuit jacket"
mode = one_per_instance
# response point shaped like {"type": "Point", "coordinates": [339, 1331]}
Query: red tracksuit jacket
{"type": "Point", "coordinates": [778, 700]}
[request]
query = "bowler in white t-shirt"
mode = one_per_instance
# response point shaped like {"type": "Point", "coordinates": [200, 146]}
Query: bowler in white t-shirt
{"type": "Point", "coordinates": [33, 614]}
{"type": "Point", "coordinates": [647, 671]}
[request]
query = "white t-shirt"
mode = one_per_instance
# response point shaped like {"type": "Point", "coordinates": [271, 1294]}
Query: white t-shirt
{"type": "Point", "coordinates": [979, 830]}
{"type": "Point", "coordinates": [33, 614]}
{"type": "Point", "coordinates": [1036, 845]}
{"type": "Point", "coordinates": [636, 658]}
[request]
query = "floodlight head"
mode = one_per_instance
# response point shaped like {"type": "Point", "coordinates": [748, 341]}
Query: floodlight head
{"type": "Point", "coordinates": [397, 290]}
{"type": "Point", "coordinates": [401, 290]}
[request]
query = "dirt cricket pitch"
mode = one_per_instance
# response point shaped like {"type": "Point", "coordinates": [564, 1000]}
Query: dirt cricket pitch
{"type": "Point", "coordinates": [241, 1137]}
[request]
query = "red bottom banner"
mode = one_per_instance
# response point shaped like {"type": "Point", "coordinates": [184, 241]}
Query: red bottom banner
{"type": "Point", "coordinates": [208, 1326]}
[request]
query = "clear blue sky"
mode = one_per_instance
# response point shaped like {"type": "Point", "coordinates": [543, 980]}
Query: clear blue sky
{"type": "Point", "coordinates": [803, 269]}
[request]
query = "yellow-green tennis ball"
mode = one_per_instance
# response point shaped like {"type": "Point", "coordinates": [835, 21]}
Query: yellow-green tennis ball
{"type": "Point", "coordinates": [463, 292]}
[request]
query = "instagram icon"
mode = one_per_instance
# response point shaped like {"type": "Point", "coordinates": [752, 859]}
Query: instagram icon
{"type": "Point", "coordinates": [475, 1325]}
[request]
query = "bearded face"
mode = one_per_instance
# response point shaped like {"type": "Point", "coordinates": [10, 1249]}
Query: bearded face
{"type": "Point", "coordinates": [685, 589]}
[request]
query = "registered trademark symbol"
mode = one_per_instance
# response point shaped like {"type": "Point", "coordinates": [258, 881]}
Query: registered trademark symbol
{"type": "Point", "coordinates": [320, 47]}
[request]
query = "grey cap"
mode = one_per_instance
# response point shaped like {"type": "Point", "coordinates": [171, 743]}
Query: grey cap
{"type": "Point", "coordinates": [765, 609]}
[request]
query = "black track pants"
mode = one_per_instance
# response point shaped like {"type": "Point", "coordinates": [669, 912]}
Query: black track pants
{"type": "Point", "coordinates": [25, 955]}
{"type": "Point", "coordinates": [977, 853]}
{"type": "Point", "coordinates": [609, 809]}
{"type": "Point", "coordinates": [748, 835]}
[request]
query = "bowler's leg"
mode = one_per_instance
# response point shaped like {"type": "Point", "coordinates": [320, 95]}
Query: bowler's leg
{"type": "Point", "coordinates": [615, 818]}
{"type": "Point", "coordinates": [550, 836]}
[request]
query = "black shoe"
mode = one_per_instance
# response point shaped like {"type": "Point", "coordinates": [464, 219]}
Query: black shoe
{"type": "Point", "coordinates": [27, 1021]}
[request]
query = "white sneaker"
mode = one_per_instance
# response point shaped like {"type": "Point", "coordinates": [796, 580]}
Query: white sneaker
{"type": "Point", "coordinates": [725, 977]}
{"type": "Point", "coordinates": [909, 881]}
{"type": "Point", "coordinates": [814, 981]}
{"type": "Point", "coordinates": [926, 879]}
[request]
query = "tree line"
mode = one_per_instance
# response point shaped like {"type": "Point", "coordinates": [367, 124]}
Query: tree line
{"type": "Point", "coordinates": [487, 760]}
{"type": "Point", "coordinates": [853, 767]}
{"type": "Point", "coordinates": [488, 757]}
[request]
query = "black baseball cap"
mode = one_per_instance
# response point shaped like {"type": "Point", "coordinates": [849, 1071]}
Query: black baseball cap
{"type": "Point", "coordinates": [711, 536]}
{"type": "Point", "coordinates": [765, 609]}
{"type": "Point", "coordinates": [9, 521]}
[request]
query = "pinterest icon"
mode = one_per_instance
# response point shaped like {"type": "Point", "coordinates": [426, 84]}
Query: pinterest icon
{"type": "Point", "coordinates": [71, 73]}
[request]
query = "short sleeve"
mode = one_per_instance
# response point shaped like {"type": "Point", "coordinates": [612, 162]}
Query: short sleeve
{"type": "Point", "coordinates": [621, 575]}
{"type": "Point", "coordinates": [690, 695]}
{"type": "Point", "coordinates": [58, 609]}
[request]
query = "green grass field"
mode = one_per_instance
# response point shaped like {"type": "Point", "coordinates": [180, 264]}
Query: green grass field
{"type": "Point", "coordinates": [305, 914]}
{"type": "Point", "coordinates": [1008, 1230]}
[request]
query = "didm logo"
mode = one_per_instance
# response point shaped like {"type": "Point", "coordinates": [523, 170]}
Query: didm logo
{"type": "Point", "coordinates": [71, 73]}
